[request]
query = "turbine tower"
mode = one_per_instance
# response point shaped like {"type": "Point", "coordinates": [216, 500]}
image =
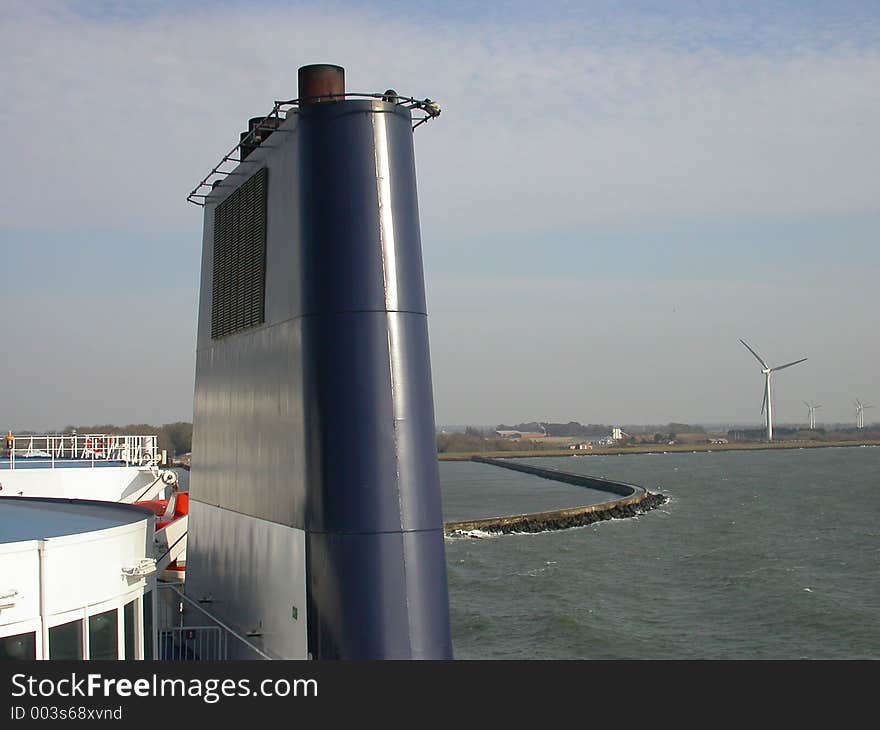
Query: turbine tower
{"type": "Point", "coordinates": [812, 409]}
{"type": "Point", "coordinates": [860, 413]}
{"type": "Point", "coordinates": [767, 405]}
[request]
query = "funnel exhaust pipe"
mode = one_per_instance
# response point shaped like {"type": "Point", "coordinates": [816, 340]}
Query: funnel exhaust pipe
{"type": "Point", "coordinates": [321, 82]}
{"type": "Point", "coordinates": [318, 83]}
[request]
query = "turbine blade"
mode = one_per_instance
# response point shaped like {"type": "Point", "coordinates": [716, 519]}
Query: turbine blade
{"type": "Point", "coordinates": [787, 365]}
{"type": "Point", "coordinates": [817, 406]}
{"type": "Point", "coordinates": [764, 404]}
{"type": "Point", "coordinates": [755, 354]}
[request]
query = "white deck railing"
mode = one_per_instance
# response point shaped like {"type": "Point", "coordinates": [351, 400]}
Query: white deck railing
{"type": "Point", "coordinates": [84, 448]}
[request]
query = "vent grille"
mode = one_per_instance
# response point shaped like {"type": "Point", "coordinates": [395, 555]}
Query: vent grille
{"type": "Point", "coordinates": [239, 276]}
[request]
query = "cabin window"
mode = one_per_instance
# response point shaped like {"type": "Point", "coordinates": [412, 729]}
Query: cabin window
{"type": "Point", "coordinates": [20, 646]}
{"type": "Point", "coordinates": [128, 620]}
{"type": "Point", "coordinates": [148, 625]}
{"type": "Point", "coordinates": [103, 635]}
{"type": "Point", "coordinates": [65, 641]}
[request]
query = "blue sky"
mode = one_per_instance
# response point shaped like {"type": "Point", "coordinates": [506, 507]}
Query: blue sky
{"type": "Point", "coordinates": [613, 195]}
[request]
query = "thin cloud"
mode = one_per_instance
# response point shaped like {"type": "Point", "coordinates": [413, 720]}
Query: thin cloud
{"type": "Point", "coordinates": [565, 130]}
{"type": "Point", "coordinates": [541, 126]}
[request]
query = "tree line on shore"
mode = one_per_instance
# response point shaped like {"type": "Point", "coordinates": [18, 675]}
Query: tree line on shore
{"type": "Point", "coordinates": [175, 438]}
{"type": "Point", "coordinates": [473, 439]}
{"type": "Point", "coordinates": [574, 429]}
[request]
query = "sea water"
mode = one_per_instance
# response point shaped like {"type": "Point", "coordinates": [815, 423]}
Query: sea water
{"type": "Point", "coordinates": [756, 555]}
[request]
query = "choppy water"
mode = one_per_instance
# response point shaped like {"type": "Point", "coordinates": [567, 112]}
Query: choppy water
{"type": "Point", "coordinates": [763, 554]}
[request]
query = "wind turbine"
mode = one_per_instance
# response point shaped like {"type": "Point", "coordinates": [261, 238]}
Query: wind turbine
{"type": "Point", "coordinates": [860, 413]}
{"type": "Point", "coordinates": [812, 409]}
{"type": "Point", "coordinates": [768, 371]}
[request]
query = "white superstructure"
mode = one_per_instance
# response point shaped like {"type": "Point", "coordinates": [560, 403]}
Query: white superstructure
{"type": "Point", "coordinates": [101, 466]}
{"type": "Point", "coordinates": [77, 580]}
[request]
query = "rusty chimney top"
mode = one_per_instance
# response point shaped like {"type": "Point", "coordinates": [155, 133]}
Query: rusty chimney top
{"type": "Point", "coordinates": [321, 82]}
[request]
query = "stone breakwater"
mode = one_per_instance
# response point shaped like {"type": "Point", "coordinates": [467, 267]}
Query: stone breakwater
{"type": "Point", "coordinates": [634, 500]}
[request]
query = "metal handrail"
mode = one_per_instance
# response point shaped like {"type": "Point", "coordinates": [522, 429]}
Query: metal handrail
{"type": "Point", "coordinates": [232, 632]}
{"type": "Point", "coordinates": [430, 109]}
{"type": "Point", "coordinates": [84, 448]}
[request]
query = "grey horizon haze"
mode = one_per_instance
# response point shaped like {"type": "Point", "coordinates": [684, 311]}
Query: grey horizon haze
{"type": "Point", "coordinates": [614, 195]}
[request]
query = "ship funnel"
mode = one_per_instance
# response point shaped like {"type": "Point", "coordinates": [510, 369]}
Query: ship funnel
{"type": "Point", "coordinates": [316, 522]}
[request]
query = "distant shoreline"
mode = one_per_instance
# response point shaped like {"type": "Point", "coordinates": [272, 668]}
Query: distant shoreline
{"type": "Point", "coordinates": [654, 449]}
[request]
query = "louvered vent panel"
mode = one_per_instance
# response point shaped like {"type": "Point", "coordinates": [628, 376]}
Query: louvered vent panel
{"type": "Point", "coordinates": [239, 277]}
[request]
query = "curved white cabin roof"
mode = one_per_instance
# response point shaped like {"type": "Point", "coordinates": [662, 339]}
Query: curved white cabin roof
{"type": "Point", "coordinates": [36, 518]}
